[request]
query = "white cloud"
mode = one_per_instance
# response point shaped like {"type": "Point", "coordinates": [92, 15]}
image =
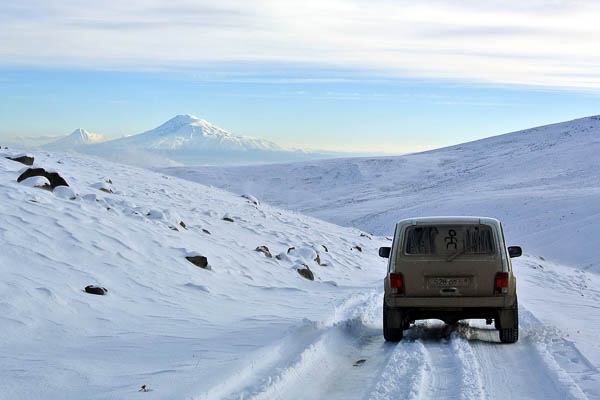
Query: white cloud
{"type": "Point", "coordinates": [542, 43]}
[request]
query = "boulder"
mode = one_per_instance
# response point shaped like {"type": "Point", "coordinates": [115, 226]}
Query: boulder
{"type": "Point", "coordinates": [325, 248]}
{"type": "Point", "coordinates": [27, 160]}
{"type": "Point", "coordinates": [64, 192]}
{"type": "Point", "coordinates": [251, 199]}
{"type": "Point", "coordinates": [357, 248]}
{"type": "Point", "coordinates": [91, 289]}
{"type": "Point", "coordinates": [306, 273]}
{"type": "Point", "coordinates": [227, 219]}
{"type": "Point", "coordinates": [182, 224]}
{"type": "Point", "coordinates": [264, 250]}
{"type": "Point", "coordinates": [37, 181]}
{"type": "Point", "coordinates": [54, 178]}
{"type": "Point", "coordinates": [199, 261]}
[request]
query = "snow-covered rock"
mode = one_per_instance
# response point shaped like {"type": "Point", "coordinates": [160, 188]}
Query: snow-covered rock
{"type": "Point", "coordinates": [36, 181]}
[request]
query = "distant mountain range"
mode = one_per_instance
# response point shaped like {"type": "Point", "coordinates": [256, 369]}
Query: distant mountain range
{"type": "Point", "coordinates": [183, 140]}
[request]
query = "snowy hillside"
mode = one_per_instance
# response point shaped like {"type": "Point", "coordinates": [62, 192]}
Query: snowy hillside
{"type": "Point", "coordinates": [79, 137]}
{"type": "Point", "coordinates": [543, 183]}
{"type": "Point", "coordinates": [246, 325]}
{"type": "Point", "coordinates": [189, 140]}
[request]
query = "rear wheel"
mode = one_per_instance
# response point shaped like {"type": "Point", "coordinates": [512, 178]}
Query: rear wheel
{"type": "Point", "coordinates": [511, 335]}
{"type": "Point", "coordinates": [392, 324]}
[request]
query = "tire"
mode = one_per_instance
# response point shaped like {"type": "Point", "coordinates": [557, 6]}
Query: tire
{"type": "Point", "coordinates": [390, 332]}
{"type": "Point", "coordinates": [511, 335]}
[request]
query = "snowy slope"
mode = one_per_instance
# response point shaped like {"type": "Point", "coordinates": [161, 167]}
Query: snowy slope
{"type": "Point", "coordinates": [190, 140]}
{"type": "Point", "coordinates": [79, 137]}
{"type": "Point", "coordinates": [250, 326]}
{"type": "Point", "coordinates": [543, 183]}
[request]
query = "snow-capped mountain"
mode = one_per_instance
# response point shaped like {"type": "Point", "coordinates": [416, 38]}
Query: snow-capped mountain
{"type": "Point", "coordinates": [186, 132]}
{"type": "Point", "coordinates": [189, 140]}
{"type": "Point", "coordinates": [79, 137]}
{"type": "Point", "coordinates": [541, 181]}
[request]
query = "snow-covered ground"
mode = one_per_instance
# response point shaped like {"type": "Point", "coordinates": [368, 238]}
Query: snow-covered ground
{"type": "Point", "coordinates": [542, 183]}
{"type": "Point", "coordinates": [249, 326]}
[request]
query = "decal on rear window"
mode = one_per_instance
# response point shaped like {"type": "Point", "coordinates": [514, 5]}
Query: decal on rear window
{"type": "Point", "coordinates": [447, 240]}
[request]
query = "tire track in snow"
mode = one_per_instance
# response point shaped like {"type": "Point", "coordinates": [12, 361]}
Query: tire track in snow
{"type": "Point", "coordinates": [328, 368]}
{"type": "Point", "coordinates": [532, 367]}
{"type": "Point", "coordinates": [309, 354]}
{"type": "Point", "coordinates": [405, 374]}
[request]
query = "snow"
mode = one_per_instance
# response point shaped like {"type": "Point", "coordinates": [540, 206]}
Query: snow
{"type": "Point", "coordinates": [542, 183]}
{"type": "Point", "coordinates": [251, 326]}
{"type": "Point", "coordinates": [36, 181]}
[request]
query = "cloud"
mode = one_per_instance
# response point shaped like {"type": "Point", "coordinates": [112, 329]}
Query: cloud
{"type": "Point", "coordinates": [540, 43]}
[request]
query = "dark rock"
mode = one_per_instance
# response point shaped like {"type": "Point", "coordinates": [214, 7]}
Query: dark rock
{"type": "Point", "coordinates": [54, 178]}
{"type": "Point", "coordinates": [106, 190]}
{"type": "Point", "coordinates": [358, 363]}
{"type": "Point", "coordinates": [23, 160]}
{"type": "Point", "coordinates": [306, 273]}
{"type": "Point", "coordinates": [357, 248]}
{"type": "Point", "coordinates": [199, 261]}
{"type": "Point", "coordinates": [173, 228]}
{"type": "Point", "coordinates": [109, 181]}
{"type": "Point", "coordinates": [227, 219]}
{"type": "Point", "coordinates": [318, 260]}
{"type": "Point", "coordinates": [278, 257]}
{"type": "Point", "coordinates": [206, 231]}
{"type": "Point", "coordinates": [365, 235]}
{"type": "Point", "coordinates": [251, 199]}
{"type": "Point", "coordinates": [96, 290]}
{"type": "Point", "coordinates": [31, 172]}
{"type": "Point", "coordinates": [264, 250]}
{"type": "Point", "coordinates": [182, 224]}
{"type": "Point", "coordinates": [325, 247]}
{"type": "Point", "coordinates": [290, 249]}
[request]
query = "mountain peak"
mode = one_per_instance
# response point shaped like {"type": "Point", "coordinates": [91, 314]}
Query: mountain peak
{"type": "Point", "coordinates": [80, 133]}
{"type": "Point", "coordinates": [78, 137]}
{"type": "Point", "coordinates": [184, 118]}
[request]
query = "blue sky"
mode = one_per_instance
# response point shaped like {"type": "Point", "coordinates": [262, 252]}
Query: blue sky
{"type": "Point", "coordinates": [341, 75]}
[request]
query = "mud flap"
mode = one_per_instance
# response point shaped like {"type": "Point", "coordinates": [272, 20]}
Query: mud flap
{"type": "Point", "coordinates": [395, 318]}
{"type": "Point", "coordinates": [506, 318]}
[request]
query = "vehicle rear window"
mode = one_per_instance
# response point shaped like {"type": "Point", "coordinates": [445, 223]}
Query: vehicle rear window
{"type": "Point", "coordinates": [445, 240]}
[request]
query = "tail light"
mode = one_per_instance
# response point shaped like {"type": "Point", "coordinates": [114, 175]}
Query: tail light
{"type": "Point", "coordinates": [501, 283]}
{"type": "Point", "coordinates": [397, 283]}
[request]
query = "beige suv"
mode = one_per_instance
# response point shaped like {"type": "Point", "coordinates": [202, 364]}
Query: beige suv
{"type": "Point", "coordinates": [450, 268]}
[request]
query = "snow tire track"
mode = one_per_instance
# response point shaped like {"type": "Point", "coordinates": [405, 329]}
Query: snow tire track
{"type": "Point", "coordinates": [405, 374]}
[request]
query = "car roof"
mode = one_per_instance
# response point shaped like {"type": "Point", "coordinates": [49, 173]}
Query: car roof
{"type": "Point", "coordinates": [449, 219]}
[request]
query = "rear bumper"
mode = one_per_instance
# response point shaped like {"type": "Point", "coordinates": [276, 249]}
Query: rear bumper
{"type": "Point", "coordinates": [449, 302]}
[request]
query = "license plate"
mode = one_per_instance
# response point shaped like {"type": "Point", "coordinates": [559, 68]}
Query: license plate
{"type": "Point", "coordinates": [449, 282]}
